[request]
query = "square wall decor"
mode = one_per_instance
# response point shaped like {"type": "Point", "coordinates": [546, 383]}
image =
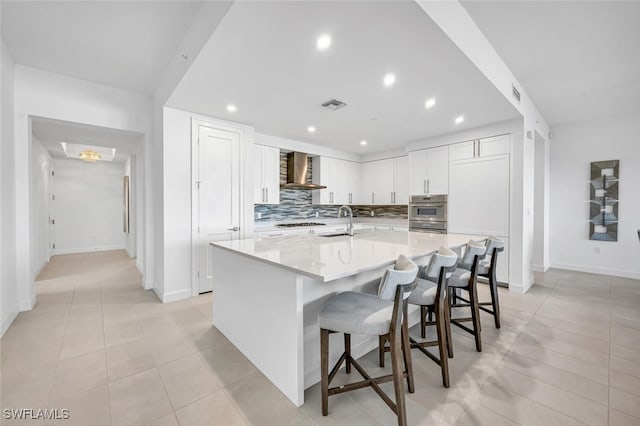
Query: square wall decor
{"type": "Point", "coordinates": [603, 206]}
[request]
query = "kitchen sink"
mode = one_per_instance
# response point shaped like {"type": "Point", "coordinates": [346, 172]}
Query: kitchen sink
{"type": "Point", "coordinates": [336, 234]}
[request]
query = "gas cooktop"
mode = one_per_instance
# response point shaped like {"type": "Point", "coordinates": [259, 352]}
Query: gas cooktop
{"type": "Point", "coordinates": [294, 225]}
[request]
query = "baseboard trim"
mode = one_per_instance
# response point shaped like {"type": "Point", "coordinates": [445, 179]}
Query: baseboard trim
{"type": "Point", "coordinates": [6, 323]}
{"type": "Point", "coordinates": [89, 249]}
{"type": "Point", "coordinates": [172, 296]}
{"type": "Point", "coordinates": [40, 268]}
{"type": "Point", "coordinates": [27, 304]}
{"type": "Point", "coordinates": [597, 270]}
{"type": "Point", "coordinates": [540, 268]}
{"type": "Point", "coordinates": [147, 284]}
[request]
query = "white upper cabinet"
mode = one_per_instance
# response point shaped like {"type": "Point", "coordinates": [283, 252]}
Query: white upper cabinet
{"type": "Point", "coordinates": [485, 147]}
{"type": "Point", "coordinates": [429, 171]}
{"type": "Point", "coordinates": [385, 181]}
{"type": "Point", "coordinates": [267, 175]}
{"type": "Point", "coordinates": [339, 176]}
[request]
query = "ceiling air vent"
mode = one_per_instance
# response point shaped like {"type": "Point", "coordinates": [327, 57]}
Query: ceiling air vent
{"type": "Point", "coordinates": [334, 104]}
{"type": "Point", "coordinates": [515, 92]}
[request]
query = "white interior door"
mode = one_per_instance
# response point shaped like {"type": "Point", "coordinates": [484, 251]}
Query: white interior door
{"type": "Point", "coordinates": [218, 201]}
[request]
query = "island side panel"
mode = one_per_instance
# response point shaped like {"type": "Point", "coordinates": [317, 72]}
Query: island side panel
{"type": "Point", "coordinates": [258, 307]}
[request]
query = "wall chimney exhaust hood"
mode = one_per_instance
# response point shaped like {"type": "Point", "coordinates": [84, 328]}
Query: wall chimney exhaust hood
{"type": "Point", "coordinates": [297, 173]}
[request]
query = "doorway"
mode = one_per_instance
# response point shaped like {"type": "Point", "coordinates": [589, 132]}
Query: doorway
{"type": "Point", "coordinates": [216, 195]}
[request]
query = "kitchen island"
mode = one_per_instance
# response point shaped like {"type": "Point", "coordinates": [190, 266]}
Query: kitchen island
{"type": "Point", "coordinates": [267, 294]}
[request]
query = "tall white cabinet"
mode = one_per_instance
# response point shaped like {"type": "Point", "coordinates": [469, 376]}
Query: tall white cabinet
{"type": "Point", "coordinates": [385, 182]}
{"type": "Point", "coordinates": [267, 175]}
{"type": "Point", "coordinates": [429, 171]}
{"type": "Point", "coordinates": [479, 191]}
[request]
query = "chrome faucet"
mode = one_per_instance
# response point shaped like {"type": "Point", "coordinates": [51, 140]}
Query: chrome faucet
{"type": "Point", "coordinates": [348, 209]}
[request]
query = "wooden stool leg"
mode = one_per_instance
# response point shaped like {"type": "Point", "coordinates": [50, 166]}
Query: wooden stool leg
{"type": "Point", "coordinates": [397, 379]}
{"type": "Point", "coordinates": [347, 350]}
{"type": "Point", "coordinates": [443, 345]}
{"type": "Point", "coordinates": [475, 315]}
{"type": "Point", "coordinates": [493, 286]}
{"type": "Point", "coordinates": [406, 352]}
{"type": "Point", "coordinates": [423, 321]}
{"type": "Point", "coordinates": [381, 342]}
{"type": "Point", "coordinates": [324, 369]}
{"type": "Point", "coordinates": [447, 326]}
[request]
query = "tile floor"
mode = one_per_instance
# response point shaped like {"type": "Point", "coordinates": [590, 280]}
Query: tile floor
{"type": "Point", "coordinates": [101, 346]}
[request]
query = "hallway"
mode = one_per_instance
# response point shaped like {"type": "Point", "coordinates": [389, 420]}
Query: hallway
{"type": "Point", "coordinates": [100, 346]}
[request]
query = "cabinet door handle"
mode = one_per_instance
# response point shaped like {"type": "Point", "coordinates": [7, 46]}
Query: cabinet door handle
{"type": "Point", "coordinates": [478, 147]}
{"type": "Point", "coordinates": [428, 186]}
{"type": "Point", "coordinates": [234, 229]}
{"type": "Point", "coordinates": [425, 187]}
{"type": "Point", "coordinates": [266, 194]}
{"type": "Point", "coordinates": [373, 198]}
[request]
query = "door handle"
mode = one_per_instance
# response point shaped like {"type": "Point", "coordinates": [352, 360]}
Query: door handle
{"type": "Point", "coordinates": [234, 229]}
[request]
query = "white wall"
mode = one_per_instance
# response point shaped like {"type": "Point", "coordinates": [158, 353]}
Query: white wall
{"type": "Point", "coordinates": [40, 196]}
{"type": "Point", "coordinates": [573, 147]}
{"type": "Point", "coordinates": [88, 206]}
{"type": "Point", "coordinates": [8, 272]}
{"type": "Point", "coordinates": [43, 94]}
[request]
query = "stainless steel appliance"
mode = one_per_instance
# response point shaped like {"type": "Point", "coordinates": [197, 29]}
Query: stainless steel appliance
{"type": "Point", "coordinates": [428, 213]}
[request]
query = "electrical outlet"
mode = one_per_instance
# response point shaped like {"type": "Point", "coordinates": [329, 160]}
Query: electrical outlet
{"type": "Point", "coordinates": [372, 214]}
{"type": "Point", "coordinates": [259, 215]}
{"type": "Point", "coordinates": [317, 214]}
{"type": "Point", "coordinates": [597, 250]}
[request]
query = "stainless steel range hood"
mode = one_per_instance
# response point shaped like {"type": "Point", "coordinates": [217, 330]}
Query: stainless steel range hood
{"type": "Point", "coordinates": [297, 173]}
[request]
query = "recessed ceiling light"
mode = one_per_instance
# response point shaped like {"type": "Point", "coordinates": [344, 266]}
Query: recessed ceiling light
{"type": "Point", "coordinates": [323, 42]}
{"type": "Point", "coordinates": [231, 108]}
{"type": "Point", "coordinates": [311, 129]}
{"type": "Point", "coordinates": [389, 79]}
{"type": "Point", "coordinates": [459, 119]}
{"type": "Point", "coordinates": [363, 142]}
{"type": "Point", "coordinates": [430, 102]}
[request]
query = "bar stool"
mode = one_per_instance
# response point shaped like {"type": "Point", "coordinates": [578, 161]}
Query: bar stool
{"type": "Point", "coordinates": [431, 295]}
{"type": "Point", "coordinates": [487, 269]}
{"type": "Point", "coordinates": [381, 315]}
{"type": "Point", "coordinates": [465, 277]}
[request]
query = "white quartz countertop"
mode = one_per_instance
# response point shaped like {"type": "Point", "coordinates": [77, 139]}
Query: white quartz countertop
{"type": "Point", "coordinates": [331, 258]}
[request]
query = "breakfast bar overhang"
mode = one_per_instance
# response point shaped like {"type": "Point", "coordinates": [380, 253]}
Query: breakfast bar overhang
{"type": "Point", "coordinates": [267, 294]}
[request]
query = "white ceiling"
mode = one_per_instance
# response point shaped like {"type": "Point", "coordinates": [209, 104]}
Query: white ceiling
{"type": "Point", "coordinates": [577, 60]}
{"type": "Point", "coordinates": [263, 59]}
{"type": "Point", "coordinates": [124, 44]}
{"type": "Point", "coordinates": [51, 132]}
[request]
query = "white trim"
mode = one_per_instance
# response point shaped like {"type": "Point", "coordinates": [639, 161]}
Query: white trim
{"type": "Point", "coordinates": [27, 304]}
{"type": "Point", "coordinates": [173, 296]}
{"type": "Point", "coordinates": [40, 268]}
{"type": "Point", "coordinates": [598, 270]}
{"type": "Point", "coordinates": [147, 285]}
{"type": "Point", "coordinates": [89, 249]}
{"type": "Point", "coordinates": [540, 268]}
{"type": "Point", "coordinates": [7, 322]}
{"type": "Point", "coordinates": [516, 288]}
{"type": "Point", "coordinates": [139, 266]}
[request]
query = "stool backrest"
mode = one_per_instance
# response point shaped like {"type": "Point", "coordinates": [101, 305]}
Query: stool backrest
{"type": "Point", "coordinates": [404, 272]}
{"type": "Point", "coordinates": [494, 246]}
{"type": "Point", "coordinates": [473, 249]}
{"type": "Point", "coordinates": [443, 258]}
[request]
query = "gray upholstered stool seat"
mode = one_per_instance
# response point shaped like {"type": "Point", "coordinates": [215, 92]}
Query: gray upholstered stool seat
{"type": "Point", "coordinates": [424, 293]}
{"type": "Point", "coordinates": [356, 313]}
{"type": "Point", "coordinates": [459, 278]}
